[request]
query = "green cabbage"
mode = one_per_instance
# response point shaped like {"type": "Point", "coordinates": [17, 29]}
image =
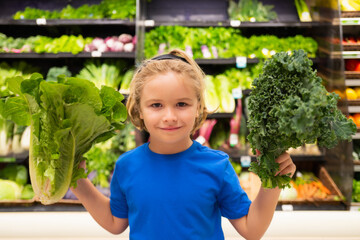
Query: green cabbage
{"type": "Point", "coordinates": [66, 118]}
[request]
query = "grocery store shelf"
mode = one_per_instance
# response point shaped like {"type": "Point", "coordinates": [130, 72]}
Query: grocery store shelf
{"type": "Point", "coordinates": [66, 22]}
{"type": "Point", "coordinates": [351, 54]}
{"type": "Point", "coordinates": [231, 23]}
{"type": "Point", "coordinates": [14, 157]}
{"type": "Point", "coordinates": [68, 55]}
{"type": "Point", "coordinates": [80, 225]}
{"type": "Point", "coordinates": [356, 136]}
{"type": "Point", "coordinates": [353, 109]}
{"type": "Point", "coordinates": [352, 82]}
{"type": "Point", "coordinates": [350, 21]}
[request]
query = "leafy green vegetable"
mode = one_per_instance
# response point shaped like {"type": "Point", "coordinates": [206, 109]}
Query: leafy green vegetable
{"type": "Point", "coordinates": [356, 191]}
{"type": "Point", "coordinates": [9, 190]}
{"type": "Point", "coordinates": [108, 73]}
{"type": "Point", "coordinates": [27, 192]}
{"type": "Point", "coordinates": [101, 159]}
{"type": "Point", "coordinates": [228, 42]}
{"type": "Point", "coordinates": [289, 107]}
{"type": "Point", "coordinates": [54, 72]}
{"type": "Point", "coordinates": [251, 11]}
{"type": "Point", "coordinates": [66, 118]}
{"type": "Point", "coordinates": [115, 9]}
{"type": "Point", "coordinates": [16, 173]}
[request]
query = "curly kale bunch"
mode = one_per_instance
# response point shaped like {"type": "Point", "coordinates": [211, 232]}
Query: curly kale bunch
{"type": "Point", "coordinates": [288, 107]}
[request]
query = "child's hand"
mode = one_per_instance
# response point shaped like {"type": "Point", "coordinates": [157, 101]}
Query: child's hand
{"type": "Point", "coordinates": [82, 164]}
{"type": "Point", "coordinates": [286, 165]}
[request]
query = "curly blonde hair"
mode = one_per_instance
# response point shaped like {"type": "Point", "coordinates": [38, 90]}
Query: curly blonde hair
{"type": "Point", "coordinates": [150, 68]}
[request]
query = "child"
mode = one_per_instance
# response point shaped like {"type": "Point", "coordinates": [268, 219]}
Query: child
{"type": "Point", "coordinates": [173, 187]}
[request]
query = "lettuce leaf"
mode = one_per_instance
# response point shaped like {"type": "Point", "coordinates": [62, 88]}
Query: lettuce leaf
{"type": "Point", "coordinates": [66, 118]}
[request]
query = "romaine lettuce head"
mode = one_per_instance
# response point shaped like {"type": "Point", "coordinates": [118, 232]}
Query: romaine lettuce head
{"type": "Point", "coordinates": [66, 118]}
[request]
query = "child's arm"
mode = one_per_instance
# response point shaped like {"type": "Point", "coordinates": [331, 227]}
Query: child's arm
{"type": "Point", "coordinates": [256, 222]}
{"type": "Point", "coordinates": [98, 206]}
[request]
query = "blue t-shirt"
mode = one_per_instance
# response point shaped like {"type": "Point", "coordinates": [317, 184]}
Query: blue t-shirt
{"type": "Point", "coordinates": [176, 196]}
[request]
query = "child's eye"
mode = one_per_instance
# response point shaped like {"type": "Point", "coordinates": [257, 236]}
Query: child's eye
{"type": "Point", "coordinates": [156, 105]}
{"type": "Point", "coordinates": [182, 104]}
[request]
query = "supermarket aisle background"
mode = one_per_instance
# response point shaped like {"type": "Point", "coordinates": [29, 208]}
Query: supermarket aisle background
{"type": "Point", "coordinates": [79, 225]}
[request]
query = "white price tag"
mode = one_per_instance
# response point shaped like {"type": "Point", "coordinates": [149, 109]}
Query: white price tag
{"type": "Point", "coordinates": [41, 21]}
{"type": "Point", "coordinates": [149, 23]}
{"type": "Point", "coordinates": [237, 93]}
{"type": "Point", "coordinates": [287, 207]}
{"type": "Point", "coordinates": [234, 139]}
{"type": "Point", "coordinates": [235, 23]}
{"type": "Point", "coordinates": [96, 54]}
{"type": "Point", "coordinates": [241, 62]}
{"type": "Point", "coordinates": [245, 161]}
{"type": "Point", "coordinates": [200, 139]}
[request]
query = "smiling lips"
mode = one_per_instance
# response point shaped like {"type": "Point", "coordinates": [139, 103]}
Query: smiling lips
{"type": "Point", "coordinates": [170, 128]}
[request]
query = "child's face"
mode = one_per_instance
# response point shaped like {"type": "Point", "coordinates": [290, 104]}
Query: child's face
{"type": "Point", "coordinates": [169, 108]}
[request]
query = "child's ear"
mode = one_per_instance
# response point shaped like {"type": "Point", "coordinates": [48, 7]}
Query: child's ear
{"type": "Point", "coordinates": [198, 110]}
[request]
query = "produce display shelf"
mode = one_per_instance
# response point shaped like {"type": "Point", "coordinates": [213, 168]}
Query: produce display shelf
{"type": "Point", "coordinates": [350, 21]}
{"type": "Point", "coordinates": [352, 75]}
{"type": "Point", "coordinates": [32, 206]}
{"type": "Point", "coordinates": [295, 158]}
{"type": "Point", "coordinates": [231, 23]}
{"type": "Point", "coordinates": [350, 54]}
{"type": "Point", "coordinates": [355, 206]}
{"type": "Point", "coordinates": [356, 166]}
{"type": "Point", "coordinates": [14, 157]}
{"type": "Point", "coordinates": [350, 14]}
{"type": "Point", "coordinates": [351, 47]}
{"type": "Point", "coordinates": [352, 82]}
{"type": "Point", "coordinates": [67, 22]}
{"type": "Point", "coordinates": [130, 55]}
{"type": "Point", "coordinates": [356, 136]}
{"type": "Point", "coordinates": [220, 115]}
{"type": "Point", "coordinates": [223, 61]}
{"type": "Point", "coordinates": [233, 61]}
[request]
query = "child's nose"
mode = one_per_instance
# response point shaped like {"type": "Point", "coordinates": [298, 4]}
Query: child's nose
{"type": "Point", "coordinates": [170, 115]}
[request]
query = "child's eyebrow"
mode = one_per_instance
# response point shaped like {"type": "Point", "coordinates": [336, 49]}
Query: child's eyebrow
{"type": "Point", "coordinates": [159, 100]}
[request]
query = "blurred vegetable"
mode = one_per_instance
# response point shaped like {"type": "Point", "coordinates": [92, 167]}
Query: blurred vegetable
{"type": "Point", "coordinates": [16, 173]}
{"type": "Point", "coordinates": [9, 190]}
{"type": "Point", "coordinates": [303, 11]}
{"type": "Point", "coordinates": [108, 73]}
{"type": "Point", "coordinates": [212, 100]}
{"type": "Point", "coordinates": [54, 72]}
{"type": "Point", "coordinates": [126, 80]}
{"type": "Point", "coordinates": [251, 11]}
{"type": "Point", "coordinates": [27, 192]}
{"type": "Point", "coordinates": [350, 5]}
{"type": "Point", "coordinates": [288, 193]}
{"type": "Point", "coordinates": [228, 42]}
{"type": "Point", "coordinates": [356, 191]}
{"type": "Point", "coordinates": [100, 160]}
{"type": "Point", "coordinates": [116, 9]}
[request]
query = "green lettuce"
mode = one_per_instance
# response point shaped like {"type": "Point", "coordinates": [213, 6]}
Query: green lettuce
{"type": "Point", "coordinates": [66, 118]}
{"type": "Point", "coordinates": [289, 107]}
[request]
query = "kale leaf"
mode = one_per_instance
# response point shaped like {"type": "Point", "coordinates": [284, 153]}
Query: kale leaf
{"type": "Point", "coordinates": [288, 107]}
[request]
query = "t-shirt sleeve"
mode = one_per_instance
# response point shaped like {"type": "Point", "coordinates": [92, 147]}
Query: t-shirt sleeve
{"type": "Point", "coordinates": [233, 201]}
{"type": "Point", "coordinates": [118, 203]}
